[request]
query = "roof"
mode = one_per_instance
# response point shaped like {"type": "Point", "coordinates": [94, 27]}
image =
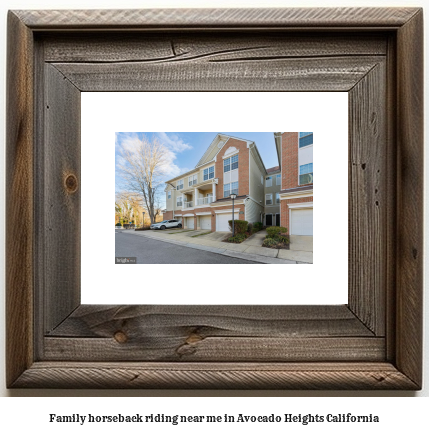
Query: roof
{"type": "Point", "coordinates": [273, 169]}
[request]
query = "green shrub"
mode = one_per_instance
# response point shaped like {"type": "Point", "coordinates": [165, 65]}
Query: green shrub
{"type": "Point", "coordinates": [269, 242]}
{"type": "Point", "coordinates": [240, 226]}
{"type": "Point", "coordinates": [250, 228]}
{"type": "Point", "coordinates": [274, 231]}
{"type": "Point", "coordinates": [118, 225]}
{"type": "Point", "coordinates": [283, 238]}
{"type": "Point", "coordinates": [238, 238]}
{"type": "Point", "coordinates": [257, 226]}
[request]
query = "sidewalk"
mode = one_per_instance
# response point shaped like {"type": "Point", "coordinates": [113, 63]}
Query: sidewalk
{"type": "Point", "coordinates": [250, 249]}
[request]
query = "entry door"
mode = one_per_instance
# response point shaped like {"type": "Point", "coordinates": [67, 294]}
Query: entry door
{"type": "Point", "coordinates": [268, 220]}
{"type": "Point", "coordinates": [277, 219]}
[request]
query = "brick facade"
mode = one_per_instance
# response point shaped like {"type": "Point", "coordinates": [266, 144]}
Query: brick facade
{"type": "Point", "coordinates": [289, 160]}
{"type": "Point", "coordinates": [167, 215]}
{"type": "Point", "coordinates": [243, 167]}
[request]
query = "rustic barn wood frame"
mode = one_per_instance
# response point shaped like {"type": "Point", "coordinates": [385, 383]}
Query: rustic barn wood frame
{"type": "Point", "coordinates": [373, 342]}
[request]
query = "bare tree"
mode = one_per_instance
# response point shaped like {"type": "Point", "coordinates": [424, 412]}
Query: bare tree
{"type": "Point", "coordinates": [142, 168]}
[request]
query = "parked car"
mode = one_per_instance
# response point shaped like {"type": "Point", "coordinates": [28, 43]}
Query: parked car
{"type": "Point", "coordinates": [166, 224]}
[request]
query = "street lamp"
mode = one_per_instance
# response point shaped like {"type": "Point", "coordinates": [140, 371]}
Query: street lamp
{"type": "Point", "coordinates": [233, 198]}
{"type": "Point", "coordinates": [143, 219]}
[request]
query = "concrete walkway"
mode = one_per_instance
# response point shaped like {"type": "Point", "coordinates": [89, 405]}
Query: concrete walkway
{"type": "Point", "coordinates": [250, 249]}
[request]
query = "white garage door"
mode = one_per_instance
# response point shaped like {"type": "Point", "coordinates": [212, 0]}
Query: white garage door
{"type": "Point", "coordinates": [302, 222]}
{"type": "Point", "coordinates": [206, 222]}
{"type": "Point", "coordinates": [222, 221]}
{"type": "Point", "coordinates": [190, 222]}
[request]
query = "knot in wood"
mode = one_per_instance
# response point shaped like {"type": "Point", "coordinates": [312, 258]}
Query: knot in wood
{"type": "Point", "coordinates": [120, 337]}
{"type": "Point", "coordinates": [71, 183]}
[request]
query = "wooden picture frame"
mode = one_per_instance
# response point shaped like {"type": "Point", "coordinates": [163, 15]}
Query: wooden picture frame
{"type": "Point", "coordinates": [373, 342]}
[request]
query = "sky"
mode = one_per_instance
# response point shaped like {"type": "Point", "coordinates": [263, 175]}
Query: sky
{"type": "Point", "coordinates": [185, 149]}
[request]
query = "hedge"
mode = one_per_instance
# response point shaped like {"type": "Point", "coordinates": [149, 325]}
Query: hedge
{"type": "Point", "coordinates": [240, 226]}
{"type": "Point", "coordinates": [272, 232]}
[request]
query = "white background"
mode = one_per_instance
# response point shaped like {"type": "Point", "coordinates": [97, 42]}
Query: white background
{"type": "Point", "coordinates": [324, 113]}
{"type": "Point", "coordinates": [400, 414]}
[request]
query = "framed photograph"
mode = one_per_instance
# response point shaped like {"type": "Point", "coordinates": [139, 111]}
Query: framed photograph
{"type": "Point", "coordinates": [58, 61]}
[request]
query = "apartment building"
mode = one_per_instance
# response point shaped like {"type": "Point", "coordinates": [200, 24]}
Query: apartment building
{"type": "Point", "coordinates": [272, 197]}
{"type": "Point", "coordinates": [201, 197]}
{"type": "Point", "coordinates": [295, 153]}
{"type": "Point", "coordinates": [282, 195]}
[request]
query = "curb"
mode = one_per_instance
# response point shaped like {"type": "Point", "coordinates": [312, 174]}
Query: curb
{"type": "Point", "coordinates": [224, 251]}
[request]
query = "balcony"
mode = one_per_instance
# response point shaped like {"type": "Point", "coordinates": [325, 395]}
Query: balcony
{"type": "Point", "coordinates": [205, 200]}
{"type": "Point", "coordinates": [188, 204]}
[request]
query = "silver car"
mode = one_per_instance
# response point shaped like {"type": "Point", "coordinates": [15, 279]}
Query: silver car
{"type": "Point", "coordinates": [166, 224]}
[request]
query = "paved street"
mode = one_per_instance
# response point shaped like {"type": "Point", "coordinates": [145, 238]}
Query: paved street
{"type": "Point", "coordinates": [149, 251]}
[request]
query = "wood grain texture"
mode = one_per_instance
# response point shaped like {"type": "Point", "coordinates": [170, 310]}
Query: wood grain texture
{"type": "Point", "coordinates": [99, 321]}
{"type": "Point", "coordinates": [410, 199]}
{"type": "Point", "coordinates": [233, 47]}
{"type": "Point", "coordinates": [324, 74]}
{"type": "Point", "coordinates": [19, 198]}
{"type": "Point", "coordinates": [190, 347]}
{"type": "Point", "coordinates": [61, 198]}
{"type": "Point", "coordinates": [230, 18]}
{"type": "Point", "coordinates": [193, 348]}
{"type": "Point", "coordinates": [367, 199]}
{"type": "Point", "coordinates": [215, 376]}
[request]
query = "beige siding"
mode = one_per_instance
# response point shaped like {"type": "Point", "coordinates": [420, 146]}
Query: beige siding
{"type": "Point", "coordinates": [256, 188]}
{"type": "Point", "coordinates": [253, 211]}
{"type": "Point", "coordinates": [275, 207]}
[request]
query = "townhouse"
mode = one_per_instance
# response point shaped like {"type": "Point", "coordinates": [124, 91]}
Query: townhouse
{"type": "Point", "coordinates": [201, 198]}
{"type": "Point", "coordinates": [295, 154]}
{"type": "Point", "coordinates": [282, 195]}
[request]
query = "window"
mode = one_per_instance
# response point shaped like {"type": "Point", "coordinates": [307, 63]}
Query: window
{"type": "Point", "coordinates": [268, 182]}
{"type": "Point", "coordinates": [230, 164]}
{"type": "Point", "coordinates": [277, 197]}
{"type": "Point", "coordinates": [306, 174]}
{"type": "Point", "coordinates": [278, 179]}
{"type": "Point", "coordinates": [179, 184]}
{"type": "Point", "coordinates": [305, 138]}
{"type": "Point", "coordinates": [192, 180]}
{"type": "Point", "coordinates": [230, 188]}
{"type": "Point", "coordinates": [179, 201]}
{"type": "Point", "coordinates": [209, 173]}
{"type": "Point", "coordinates": [268, 198]}
{"type": "Point", "coordinates": [169, 194]}
{"type": "Point", "coordinates": [262, 180]}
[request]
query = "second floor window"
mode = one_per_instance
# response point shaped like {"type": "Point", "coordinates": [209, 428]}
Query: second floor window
{"type": "Point", "coordinates": [277, 197]}
{"type": "Point", "coordinates": [192, 180]}
{"type": "Point", "coordinates": [305, 138]}
{"type": "Point", "coordinates": [268, 181]}
{"type": "Point", "coordinates": [169, 194]}
{"type": "Point", "coordinates": [179, 184]}
{"type": "Point", "coordinates": [179, 201]}
{"type": "Point", "coordinates": [209, 173]}
{"type": "Point", "coordinates": [278, 179]}
{"type": "Point", "coordinates": [230, 163]}
{"type": "Point", "coordinates": [269, 199]}
{"type": "Point", "coordinates": [230, 188]}
{"type": "Point", "coordinates": [306, 174]}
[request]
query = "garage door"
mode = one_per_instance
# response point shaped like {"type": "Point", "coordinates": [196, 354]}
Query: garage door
{"type": "Point", "coordinates": [222, 221]}
{"type": "Point", "coordinates": [206, 222]}
{"type": "Point", "coordinates": [302, 222]}
{"type": "Point", "coordinates": [190, 222]}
